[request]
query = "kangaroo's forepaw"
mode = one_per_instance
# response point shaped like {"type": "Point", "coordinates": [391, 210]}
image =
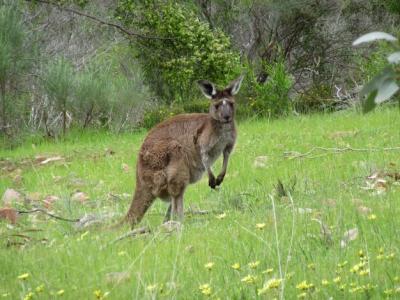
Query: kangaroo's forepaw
{"type": "Point", "coordinates": [212, 182]}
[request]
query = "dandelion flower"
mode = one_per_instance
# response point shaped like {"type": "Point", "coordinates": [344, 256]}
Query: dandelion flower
{"type": "Point", "coordinates": [209, 266]}
{"type": "Point", "coordinates": [205, 289]}
{"type": "Point", "coordinates": [273, 283]}
{"type": "Point", "coordinates": [337, 279]}
{"type": "Point", "coordinates": [221, 216]}
{"type": "Point", "coordinates": [361, 253]}
{"type": "Point", "coordinates": [304, 285]}
{"type": "Point", "coordinates": [60, 293]}
{"type": "Point", "coordinates": [268, 271]}
{"type": "Point", "coordinates": [260, 226]}
{"type": "Point", "coordinates": [23, 276]}
{"type": "Point", "coordinates": [151, 288]}
{"type": "Point", "coordinates": [40, 288]}
{"type": "Point", "coordinates": [254, 264]}
{"type": "Point", "coordinates": [390, 256]}
{"type": "Point", "coordinates": [236, 266]}
{"type": "Point", "coordinates": [249, 279]}
{"type": "Point", "coordinates": [97, 294]}
{"type": "Point", "coordinates": [324, 282]}
{"type": "Point", "coordinates": [363, 272]}
{"type": "Point", "coordinates": [341, 265]}
{"type": "Point", "coordinates": [29, 296]}
{"type": "Point", "coordinates": [372, 217]}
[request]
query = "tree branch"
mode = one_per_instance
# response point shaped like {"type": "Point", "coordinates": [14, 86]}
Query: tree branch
{"type": "Point", "coordinates": [103, 22]}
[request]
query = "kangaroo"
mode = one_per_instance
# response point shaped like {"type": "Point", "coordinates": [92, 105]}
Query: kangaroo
{"type": "Point", "coordinates": [178, 151]}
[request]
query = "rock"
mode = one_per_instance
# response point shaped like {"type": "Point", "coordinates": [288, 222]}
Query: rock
{"type": "Point", "coordinates": [10, 196]}
{"type": "Point", "coordinates": [80, 197]}
{"type": "Point", "coordinates": [171, 226]}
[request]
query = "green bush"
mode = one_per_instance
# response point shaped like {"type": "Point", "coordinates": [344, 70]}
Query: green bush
{"type": "Point", "coordinates": [187, 48]}
{"type": "Point", "coordinates": [266, 99]}
{"type": "Point", "coordinates": [317, 98]}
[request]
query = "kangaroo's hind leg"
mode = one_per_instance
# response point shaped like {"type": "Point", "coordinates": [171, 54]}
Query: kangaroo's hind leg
{"type": "Point", "coordinates": [141, 202]}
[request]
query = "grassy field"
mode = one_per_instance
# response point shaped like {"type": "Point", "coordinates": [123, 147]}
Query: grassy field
{"type": "Point", "coordinates": [329, 232]}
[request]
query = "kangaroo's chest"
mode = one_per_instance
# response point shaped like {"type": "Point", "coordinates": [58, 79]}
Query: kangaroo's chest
{"type": "Point", "coordinates": [219, 144]}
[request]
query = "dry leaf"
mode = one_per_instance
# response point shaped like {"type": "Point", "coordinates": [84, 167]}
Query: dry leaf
{"type": "Point", "coordinates": [10, 196]}
{"type": "Point", "coordinates": [9, 214]}
{"type": "Point", "coordinates": [260, 162]}
{"type": "Point", "coordinates": [80, 196]}
{"type": "Point", "coordinates": [125, 168]}
{"type": "Point", "coordinates": [49, 200]}
{"type": "Point", "coordinates": [348, 236]}
{"type": "Point", "coordinates": [117, 277]}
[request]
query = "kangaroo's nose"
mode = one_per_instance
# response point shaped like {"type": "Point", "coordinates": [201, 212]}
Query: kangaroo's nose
{"type": "Point", "coordinates": [227, 118]}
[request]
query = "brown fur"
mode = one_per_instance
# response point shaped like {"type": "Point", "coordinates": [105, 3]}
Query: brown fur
{"type": "Point", "coordinates": [178, 151]}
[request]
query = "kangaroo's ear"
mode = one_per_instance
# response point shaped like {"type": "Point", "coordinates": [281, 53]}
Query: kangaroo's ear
{"type": "Point", "coordinates": [208, 88]}
{"type": "Point", "coordinates": [234, 87]}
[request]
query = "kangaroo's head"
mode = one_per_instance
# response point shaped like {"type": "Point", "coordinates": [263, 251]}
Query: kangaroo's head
{"type": "Point", "coordinates": [222, 107]}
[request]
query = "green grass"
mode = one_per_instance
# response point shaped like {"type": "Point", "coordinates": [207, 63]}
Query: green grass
{"type": "Point", "coordinates": [329, 184]}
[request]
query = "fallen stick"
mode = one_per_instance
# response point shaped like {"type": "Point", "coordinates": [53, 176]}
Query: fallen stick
{"type": "Point", "coordinates": [294, 154]}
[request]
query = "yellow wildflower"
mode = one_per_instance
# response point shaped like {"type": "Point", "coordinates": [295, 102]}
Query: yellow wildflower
{"type": "Point", "coordinates": [273, 283]}
{"type": "Point", "coordinates": [361, 253]}
{"type": "Point", "coordinates": [304, 285]}
{"type": "Point", "coordinates": [324, 282]}
{"type": "Point", "coordinates": [268, 271]}
{"type": "Point", "coordinates": [254, 264]}
{"type": "Point", "coordinates": [270, 284]}
{"type": "Point", "coordinates": [121, 253]}
{"type": "Point", "coordinates": [388, 292]}
{"type": "Point", "coordinates": [342, 287]}
{"type": "Point", "coordinates": [289, 275]}
{"type": "Point", "coordinates": [29, 296]}
{"type": "Point", "coordinates": [40, 288]}
{"type": "Point", "coordinates": [236, 266]}
{"type": "Point", "coordinates": [355, 289]}
{"type": "Point", "coordinates": [372, 217]}
{"type": "Point", "coordinates": [221, 216]}
{"type": "Point", "coordinates": [380, 256]}
{"type": "Point", "coordinates": [205, 289]}
{"type": "Point", "coordinates": [337, 279]}
{"type": "Point", "coordinates": [23, 276]}
{"type": "Point", "coordinates": [260, 225]}
{"type": "Point", "coordinates": [60, 293]}
{"type": "Point", "coordinates": [209, 266]}
{"type": "Point", "coordinates": [151, 288]}
{"type": "Point", "coordinates": [97, 294]}
{"type": "Point", "coordinates": [249, 279]}
{"type": "Point", "coordinates": [341, 265]}
{"type": "Point", "coordinates": [363, 272]}
{"type": "Point", "coordinates": [311, 266]}
{"type": "Point", "coordinates": [390, 256]}
{"type": "Point", "coordinates": [381, 251]}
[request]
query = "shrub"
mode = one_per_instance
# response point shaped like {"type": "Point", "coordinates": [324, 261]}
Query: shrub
{"type": "Point", "coordinates": [187, 50]}
{"type": "Point", "coordinates": [269, 98]}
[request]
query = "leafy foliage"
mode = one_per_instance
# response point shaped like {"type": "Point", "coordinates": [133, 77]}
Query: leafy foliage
{"type": "Point", "coordinates": [187, 50]}
{"type": "Point", "coordinates": [384, 85]}
{"type": "Point", "coordinates": [270, 98]}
